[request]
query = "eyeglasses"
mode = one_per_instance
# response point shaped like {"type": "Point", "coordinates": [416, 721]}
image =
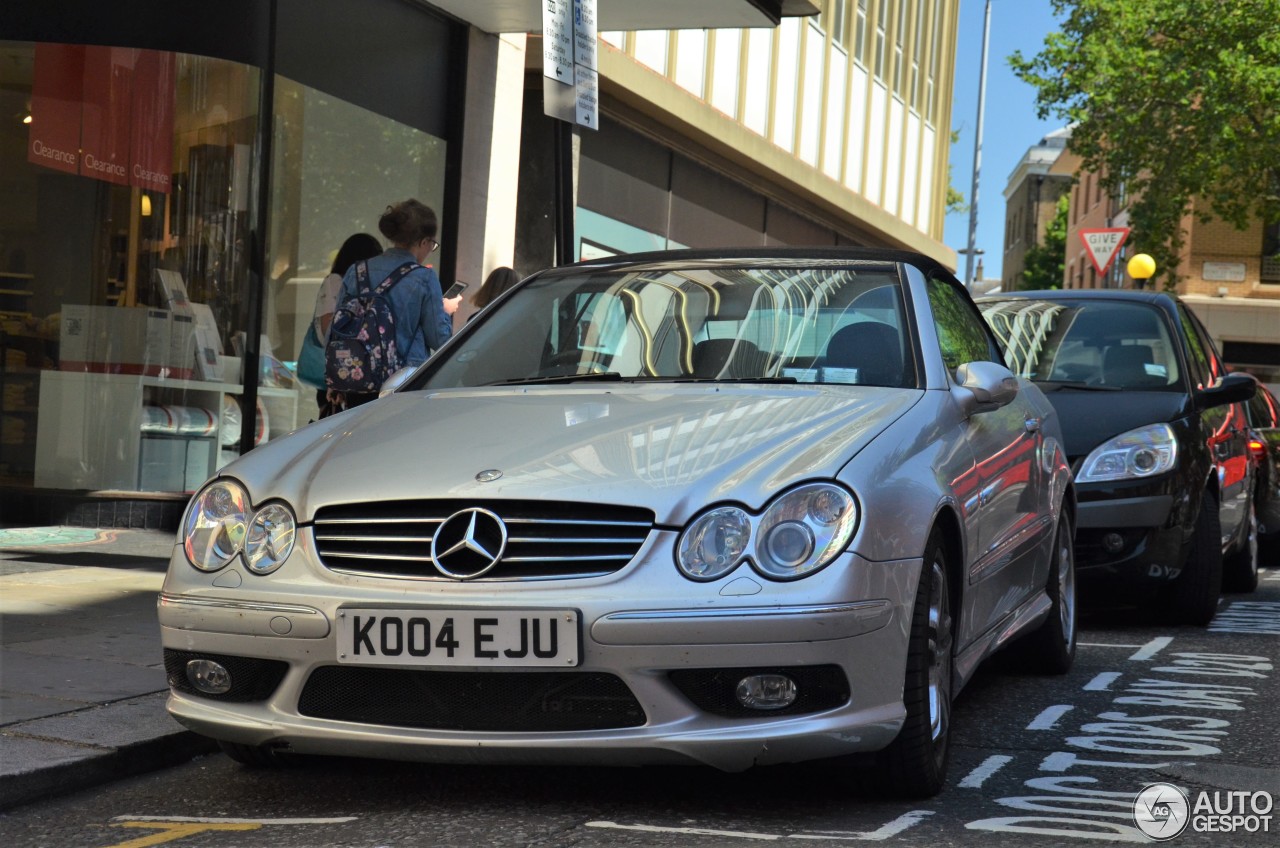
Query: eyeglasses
{"type": "Point", "coordinates": [435, 245]}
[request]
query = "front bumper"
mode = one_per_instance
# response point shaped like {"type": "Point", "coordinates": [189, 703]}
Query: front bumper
{"type": "Point", "coordinates": [640, 636]}
{"type": "Point", "coordinates": [1131, 544]}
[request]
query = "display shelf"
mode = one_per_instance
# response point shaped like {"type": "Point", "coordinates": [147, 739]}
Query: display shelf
{"type": "Point", "coordinates": [90, 426]}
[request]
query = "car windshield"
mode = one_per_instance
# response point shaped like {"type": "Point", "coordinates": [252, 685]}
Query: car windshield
{"type": "Point", "coordinates": [1082, 344]}
{"type": "Point", "coordinates": [835, 323]}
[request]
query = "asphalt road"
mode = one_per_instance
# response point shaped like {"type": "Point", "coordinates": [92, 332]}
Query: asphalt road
{"type": "Point", "coordinates": [1036, 761]}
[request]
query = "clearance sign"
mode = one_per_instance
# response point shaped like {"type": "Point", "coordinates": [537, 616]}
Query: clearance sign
{"type": "Point", "coordinates": [104, 112]}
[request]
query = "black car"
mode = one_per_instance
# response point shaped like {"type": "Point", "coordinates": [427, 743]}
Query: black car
{"type": "Point", "coordinates": [1157, 438]}
{"type": "Point", "coordinates": [1264, 443]}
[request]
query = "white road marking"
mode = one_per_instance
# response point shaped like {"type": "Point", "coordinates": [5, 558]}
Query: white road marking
{"type": "Point", "coordinates": [985, 769]}
{"type": "Point", "coordinates": [1102, 681]}
{"type": "Point", "coordinates": [885, 831]}
{"type": "Point", "coordinates": [1047, 719]}
{"type": "Point", "coordinates": [1152, 648]}
{"type": "Point", "coordinates": [692, 831]}
{"type": "Point", "coordinates": [1102, 645]}
{"type": "Point", "coordinates": [217, 820]}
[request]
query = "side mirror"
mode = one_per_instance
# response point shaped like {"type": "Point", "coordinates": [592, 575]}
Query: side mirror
{"type": "Point", "coordinates": [985, 386]}
{"type": "Point", "coordinates": [397, 380]}
{"type": "Point", "coordinates": [1234, 388]}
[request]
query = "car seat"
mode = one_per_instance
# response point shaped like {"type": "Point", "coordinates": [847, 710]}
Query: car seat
{"type": "Point", "coordinates": [1126, 365]}
{"type": "Point", "coordinates": [872, 347]}
{"type": "Point", "coordinates": [727, 359]}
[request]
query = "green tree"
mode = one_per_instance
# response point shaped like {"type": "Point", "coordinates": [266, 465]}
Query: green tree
{"type": "Point", "coordinates": [1172, 102]}
{"type": "Point", "coordinates": [1045, 263]}
{"type": "Point", "coordinates": [955, 198]}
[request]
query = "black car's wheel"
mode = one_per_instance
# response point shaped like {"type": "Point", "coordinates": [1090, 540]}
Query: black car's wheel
{"type": "Point", "coordinates": [256, 756]}
{"type": "Point", "coordinates": [1051, 649]}
{"type": "Point", "coordinates": [1240, 568]}
{"type": "Point", "coordinates": [1194, 595]}
{"type": "Point", "coordinates": [915, 763]}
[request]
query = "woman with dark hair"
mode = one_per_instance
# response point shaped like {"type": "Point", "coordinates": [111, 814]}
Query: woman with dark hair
{"type": "Point", "coordinates": [357, 247]}
{"type": "Point", "coordinates": [423, 319]}
{"type": "Point", "coordinates": [311, 358]}
{"type": "Point", "coordinates": [499, 280]}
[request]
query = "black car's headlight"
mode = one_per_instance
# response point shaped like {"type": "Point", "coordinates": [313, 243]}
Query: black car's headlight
{"type": "Point", "coordinates": [801, 531]}
{"type": "Point", "coordinates": [1139, 453]}
{"type": "Point", "coordinates": [220, 524]}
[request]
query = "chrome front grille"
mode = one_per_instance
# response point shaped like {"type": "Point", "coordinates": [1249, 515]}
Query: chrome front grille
{"type": "Point", "coordinates": [544, 540]}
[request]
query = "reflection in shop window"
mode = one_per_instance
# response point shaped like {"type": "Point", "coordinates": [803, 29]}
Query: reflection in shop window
{"type": "Point", "coordinates": [124, 246]}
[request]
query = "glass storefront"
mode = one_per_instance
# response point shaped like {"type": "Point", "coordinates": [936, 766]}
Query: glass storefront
{"type": "Point", "coordinates": [133, 268]}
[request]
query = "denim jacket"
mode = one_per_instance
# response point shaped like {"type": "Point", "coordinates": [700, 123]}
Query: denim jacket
{"type": "Point", "coordinates": [421, 323]}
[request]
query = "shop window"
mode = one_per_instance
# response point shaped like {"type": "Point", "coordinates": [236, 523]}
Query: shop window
{"type": "Point", "coordinates": [125, 249]}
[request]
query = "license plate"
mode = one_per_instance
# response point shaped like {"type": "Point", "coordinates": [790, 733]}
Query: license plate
{"type": "Point", "coordinates": [493, 638]}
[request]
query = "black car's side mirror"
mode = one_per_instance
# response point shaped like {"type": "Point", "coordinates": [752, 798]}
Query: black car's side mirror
{"type": "Point", "coordinates": [1234, 388]}
{"type": "Point", "coordinates": [985, 386]}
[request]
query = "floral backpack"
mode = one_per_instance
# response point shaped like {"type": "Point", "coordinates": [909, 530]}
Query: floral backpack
{"type": "Point", "coordinates": [361, 352]}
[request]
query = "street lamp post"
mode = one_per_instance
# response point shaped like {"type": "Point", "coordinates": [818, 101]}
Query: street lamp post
{"type": "Point", "coordinates": [977, 151]}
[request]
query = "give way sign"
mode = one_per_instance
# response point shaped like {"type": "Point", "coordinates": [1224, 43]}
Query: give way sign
{"type": "Point", "coordinates": [1103, 245]}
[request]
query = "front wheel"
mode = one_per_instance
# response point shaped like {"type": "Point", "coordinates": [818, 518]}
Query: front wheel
{"type": "Point", "coordinates": [915, 763]}
{"type": "Point", "coordinates": [1051, 649]}
{"type": "Point", "coordinates": [1194, 595]}
{"type": "Point", "coordinates": [1240, 569]}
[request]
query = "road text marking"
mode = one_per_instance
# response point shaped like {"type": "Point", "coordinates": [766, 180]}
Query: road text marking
{"type": "Point", "coordinates": [988, 767]}
{"type": "Point", "coordinates": [1047, 719]}
{"type": "Point", "coordinates": [1152, 648]}
{"type": "Point", "coordinates": [1102, 681]}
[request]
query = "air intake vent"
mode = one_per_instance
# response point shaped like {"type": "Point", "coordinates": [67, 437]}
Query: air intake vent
{"type": "Point", "coordinates": [545, 541]}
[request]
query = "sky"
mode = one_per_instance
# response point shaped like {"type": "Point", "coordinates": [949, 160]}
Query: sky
{"type": "Point", "coordinates": [1010, 126]}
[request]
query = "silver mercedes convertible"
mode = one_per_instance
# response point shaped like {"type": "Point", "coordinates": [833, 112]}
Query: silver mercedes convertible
{"type": "Point", "coordinates": [731, 508]}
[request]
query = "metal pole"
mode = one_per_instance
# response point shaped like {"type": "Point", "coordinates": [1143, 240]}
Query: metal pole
{"type": "Point", "coordinates": [564, 192]}
{"type": "Point", "coordinates": [977, 150]}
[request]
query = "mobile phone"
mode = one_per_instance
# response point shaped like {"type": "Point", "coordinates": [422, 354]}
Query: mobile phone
{"type": "Point", "coordinates": [455, 290]}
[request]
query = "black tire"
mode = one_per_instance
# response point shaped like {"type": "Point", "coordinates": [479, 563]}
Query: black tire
{"type": "Point", "coordinates": [1240, 568]}
{"type": "Point", "coordinates": [1193, 598]}
{"type": "Point", "coordinates": [256, 756]}
{"type": "Point", "coordinates": [1051, 649]}
{"type": "Point", "coordinates": [915, 763]}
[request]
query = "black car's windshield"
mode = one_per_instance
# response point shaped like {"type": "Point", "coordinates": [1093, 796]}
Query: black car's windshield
{"type": "Point", "coordinates": [837, 323]}
{"type": "Point", "coordinates": [1083, 345]}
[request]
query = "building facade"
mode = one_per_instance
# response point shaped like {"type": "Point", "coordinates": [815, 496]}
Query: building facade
{"type": "Point", "coordinates": [1031, 197]}
{"type": "Point", "coordinates": [1229, 277]}
{"type": "Point", "coordinates": [177, 177]}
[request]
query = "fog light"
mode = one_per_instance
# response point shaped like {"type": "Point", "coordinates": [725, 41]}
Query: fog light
{"type": "Point", "coordinates": [1113, 543]}
{"type": "Point", "coordinates": [209, 677]}
{"type": "Point", "coordinates": [766, 691]}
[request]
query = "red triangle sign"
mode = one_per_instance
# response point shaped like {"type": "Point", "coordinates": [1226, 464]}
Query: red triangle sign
{"type": "Point", "coordinates": [1103, 245]}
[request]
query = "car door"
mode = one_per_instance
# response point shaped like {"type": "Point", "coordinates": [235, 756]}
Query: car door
{"type": "Point", "coordinates": [1006, 445]}
{"type": "Point", "coordinates": [1225, 429]}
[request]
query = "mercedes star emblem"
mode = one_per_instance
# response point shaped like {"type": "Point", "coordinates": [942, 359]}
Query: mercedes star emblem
{"type": "Point", "coordinates": [468, 543]}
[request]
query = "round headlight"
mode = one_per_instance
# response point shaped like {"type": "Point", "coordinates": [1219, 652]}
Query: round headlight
{"type": "Point", "coordinates": [270, 538]}
{"type": "Point", "coordinates": [216, 524]}
{"type": "Point", "coordinates": [714, 543]}
{"type": "Point", "coordinates": [805, 529]}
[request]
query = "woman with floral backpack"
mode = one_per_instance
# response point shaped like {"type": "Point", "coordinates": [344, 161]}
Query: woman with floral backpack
{"type": "Point", "coordinates": [390, 310]}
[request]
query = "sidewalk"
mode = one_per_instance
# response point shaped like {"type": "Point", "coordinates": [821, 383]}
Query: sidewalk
{"type": "Point", "coordinates": [82, 682]}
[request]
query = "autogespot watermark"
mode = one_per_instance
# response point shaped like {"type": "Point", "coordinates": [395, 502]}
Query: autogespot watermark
{"type": "Point", "coordinates": [1162, 811]}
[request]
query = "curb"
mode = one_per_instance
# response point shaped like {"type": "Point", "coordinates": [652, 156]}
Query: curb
{"type": "Point", "coordinates": [60, 754]}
